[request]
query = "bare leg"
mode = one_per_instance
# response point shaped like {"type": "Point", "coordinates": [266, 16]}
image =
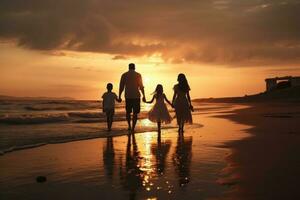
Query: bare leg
{"type": "Point", "coordinates": [158, 126]}
{"type": "Point", "coordinates": [107, 120]}
{"type": "Point", "coordinates": [128, 118]}
{"type": "Point", "coordinates": [178, 122]}
{"type": "Point", "coordinates": [134, 119]}
{"type": "Point", "coordinates": [111, 119]}
{"type": "Point", "coordinates": [158, 138]}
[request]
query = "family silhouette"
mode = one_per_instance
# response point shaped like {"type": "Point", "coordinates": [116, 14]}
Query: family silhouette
{"type": "Point", "coordinates": [132, 82]}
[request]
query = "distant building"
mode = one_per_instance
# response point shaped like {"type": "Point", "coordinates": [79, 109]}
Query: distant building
{"type": "Point", "coordinates": [281, 82]}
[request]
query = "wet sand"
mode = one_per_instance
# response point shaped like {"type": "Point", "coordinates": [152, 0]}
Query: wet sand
{"type": "Point", "coordinates": [267, 164]}
{"type": "Point", "coordinates": [147, 166]}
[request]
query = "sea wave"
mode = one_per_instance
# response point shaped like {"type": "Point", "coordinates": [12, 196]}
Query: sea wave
{"type": "Point", "coordinates": [35, 142]}
{"type": "Point", "coordinates": [67, 117]}
{"type": "Point", "coordinates": [58, 107]}
{"type": "Point", "coordinates": [86, 114]}
{"type": "Point", "coordinates": [33, 119]}
{"type": "Point", "coordinates": [40, 108]}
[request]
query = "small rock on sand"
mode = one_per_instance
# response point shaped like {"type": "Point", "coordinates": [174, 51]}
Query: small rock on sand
{"type": "Point", "coordinates": [41, 179]}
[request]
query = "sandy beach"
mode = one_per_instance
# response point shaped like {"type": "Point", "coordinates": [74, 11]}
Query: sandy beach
{"type": "Point", "coordinates": [148, 165]}
{"type": "Point", "coordinates": [266, 165]}
{"type": "Point", "coordinates": [231, 152]}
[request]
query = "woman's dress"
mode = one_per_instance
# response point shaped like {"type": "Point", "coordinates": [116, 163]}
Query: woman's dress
{"type": "Point", "coordinates": [182, 106]}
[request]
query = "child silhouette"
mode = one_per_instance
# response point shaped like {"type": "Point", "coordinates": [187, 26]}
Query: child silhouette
{"type": "Point", "coordinates": [108, 105]}
{"type": "Point", "coordinates": [159, 112]}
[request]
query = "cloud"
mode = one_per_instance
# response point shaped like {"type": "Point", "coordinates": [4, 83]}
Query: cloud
{"type": "Point", "coordinates": [285, 70]}
{"type": "Point", "coordinates": [119, 57]}
{"type": "Point", "coordinates": [227, 32]}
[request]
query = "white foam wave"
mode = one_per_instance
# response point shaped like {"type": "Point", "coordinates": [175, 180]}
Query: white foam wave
{"type": "Point", "coordinates": [57, 140]}
{"type": "Point", "coordinates": [33, 119]}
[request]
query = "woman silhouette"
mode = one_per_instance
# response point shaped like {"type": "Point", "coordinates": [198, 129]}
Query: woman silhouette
{"type": "Point", "coordinates": [182, 102]}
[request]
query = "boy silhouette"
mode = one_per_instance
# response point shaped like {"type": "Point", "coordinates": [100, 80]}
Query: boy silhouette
{"type": "Point", "coordinates": [108, 105]}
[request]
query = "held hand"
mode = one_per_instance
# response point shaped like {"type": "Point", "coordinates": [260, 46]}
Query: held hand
{"type": "Point", "coordinates": [172, 105]}
{"type": "Point", "coordinates": [191, 108]}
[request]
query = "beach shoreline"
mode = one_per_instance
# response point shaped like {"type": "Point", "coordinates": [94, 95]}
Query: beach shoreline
{"type": "Point", "coordinates": [260, 141]}
{"type": "Point", "coordinates": [103, 134]}
{"type": "Point", "coordinates": [170, 166]}
{"type": "Point", "coordinates": [266, 164]}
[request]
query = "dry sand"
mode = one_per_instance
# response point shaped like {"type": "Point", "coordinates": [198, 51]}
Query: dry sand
{"type": "Point", "coordinates": [266, 165]}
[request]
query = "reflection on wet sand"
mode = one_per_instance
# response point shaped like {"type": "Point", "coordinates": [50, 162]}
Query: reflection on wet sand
{"type": "Point", "coordinates": [131, 175]}
{"type": "Point", "coordinates": [160, 151]}
{"type": "Point", "coordinates": [182, 158]}
{"type": "Point", "coordinates": [109, 158]}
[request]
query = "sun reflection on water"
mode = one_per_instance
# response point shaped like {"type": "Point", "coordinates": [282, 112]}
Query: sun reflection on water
{"type": "Point", "coordinates": [147, 107]}
{"type": "Point", "coordinates": [147, 165]}
{"type": "Point", "coordinates": [147, 123]}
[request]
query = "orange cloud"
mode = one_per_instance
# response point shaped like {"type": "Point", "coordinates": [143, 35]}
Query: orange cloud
{"type": "Point", "coordinates": [236, 33]}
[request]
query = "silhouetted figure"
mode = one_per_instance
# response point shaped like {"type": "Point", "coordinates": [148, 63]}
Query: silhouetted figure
{"type": "Point", "coordinates": [108, 105]}
{"type": "Point", "coordinates": [159, 113]}
{"type": "Point", "coordinates": [131, 175]}
{"type": "Point", "coordinates": [160, 150]}
{"type": "Point", "coordinates": [182, 102]}
{"type": "Point", "coordinates": [132, 82]}
{"type": "Point", "coordinates": [109, 157]}
{"type": "Point", "coordinates": [182, 158]}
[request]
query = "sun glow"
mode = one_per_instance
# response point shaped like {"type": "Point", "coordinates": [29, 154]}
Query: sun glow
{"type": "Point", "coordinates": [84, 75]}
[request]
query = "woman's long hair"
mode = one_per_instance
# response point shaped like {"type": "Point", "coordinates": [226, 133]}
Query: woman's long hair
{"type": "Point", "coordinates": [158, 90]}
{"type": "Point", "coordinates": [183, 83]}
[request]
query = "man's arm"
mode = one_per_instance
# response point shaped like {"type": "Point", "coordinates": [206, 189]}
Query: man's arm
{"type": "Point", "coordinates": [173, 99]}
{"type": "Point", "coordinates": [117, 98]}
{"type": "Point", "coordinates": [143, 93]}
{"type": "Point", "coordinates": [121, 86]}
{"type": "Point", "coordinates": [141, 86]}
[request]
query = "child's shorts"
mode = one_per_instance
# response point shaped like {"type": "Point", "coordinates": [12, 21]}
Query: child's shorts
{"type": "Point", "coordinates": [109, 111]}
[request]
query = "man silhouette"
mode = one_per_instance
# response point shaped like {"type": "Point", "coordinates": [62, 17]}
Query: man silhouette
{"type": "Point", "coordinates": [132, 82]}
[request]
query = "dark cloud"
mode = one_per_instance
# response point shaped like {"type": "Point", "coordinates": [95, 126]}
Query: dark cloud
{"type": "Point", "coordinates": [233, 32]}
{"type": "Point", "coordinates": [119, 57]}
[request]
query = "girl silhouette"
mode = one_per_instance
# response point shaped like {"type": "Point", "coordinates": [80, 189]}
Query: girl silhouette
{"type": "Point", "coordinates": [159, 113]}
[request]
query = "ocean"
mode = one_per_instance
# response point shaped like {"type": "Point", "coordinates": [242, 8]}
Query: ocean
{"type": "Point", "coordinates": [27, 123]}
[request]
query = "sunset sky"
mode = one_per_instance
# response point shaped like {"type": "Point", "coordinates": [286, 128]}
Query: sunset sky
{"type": "Point", "coordinates": [59, 48]}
